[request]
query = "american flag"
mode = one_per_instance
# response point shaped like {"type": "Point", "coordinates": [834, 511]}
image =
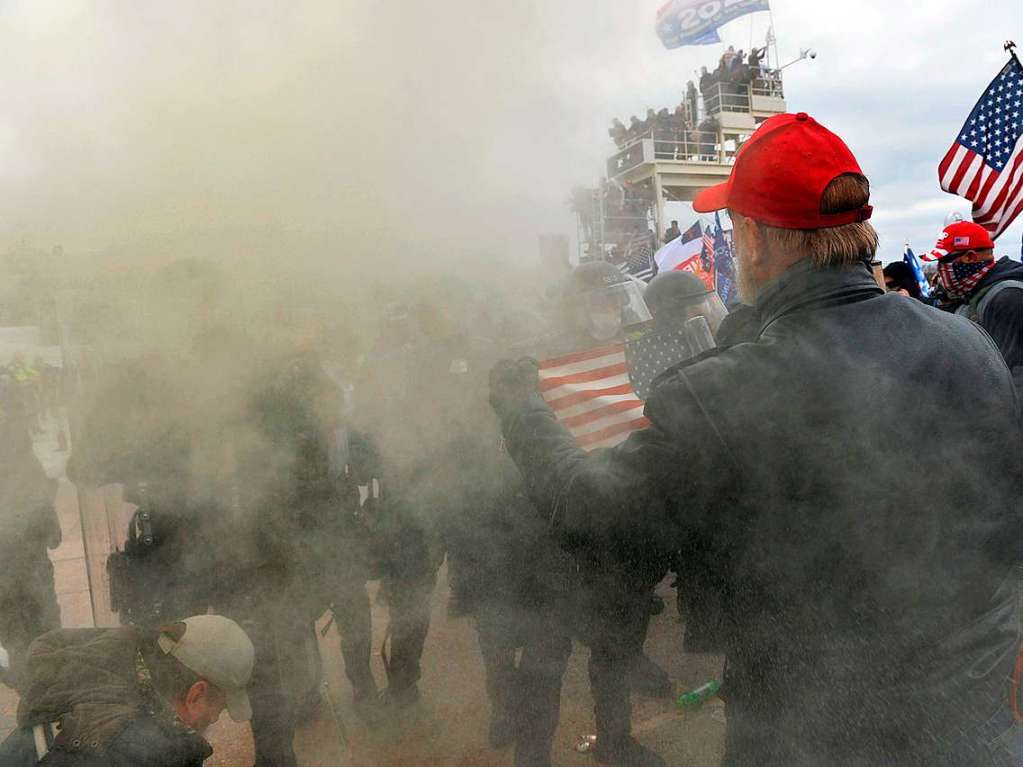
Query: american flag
{"type": "Point", "coordinates": [652, 353]}
{"type": "Point", "coordinates": [592, 397]}
{"type": "Point", "coordinates": [639, 257]}
{"type": "Point", "coordinates": [985, 164]}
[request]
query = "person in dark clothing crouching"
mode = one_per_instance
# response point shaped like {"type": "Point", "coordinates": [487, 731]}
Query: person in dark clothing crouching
{"type": "Point", "coordinates": [120, 697]}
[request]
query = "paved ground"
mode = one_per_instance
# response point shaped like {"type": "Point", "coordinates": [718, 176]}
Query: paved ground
{"type": "Point", "coordinates": [450, 727]}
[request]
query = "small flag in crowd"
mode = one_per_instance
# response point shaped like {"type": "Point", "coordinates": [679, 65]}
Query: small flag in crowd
{"type": "Point", "coordinates": [696, 22]}
{"type": "Point", "coordinates": [914, 263]}
{"type": "Point", "coordinates": [985, 164]}
{"type": "Point", "coordinates": [591, 395]}
{"type": "Point", "coordinates": [639, 256]}
{"type": "Point", "coordinates": [724, 266]}
{"type": "Point", "coordinates": [652, 353]}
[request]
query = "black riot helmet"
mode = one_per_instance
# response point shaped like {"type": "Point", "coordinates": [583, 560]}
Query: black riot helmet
{"type": "Point", "coordinates": [601, 302]}
{"type": "Point", "coordinates": [676, 297]}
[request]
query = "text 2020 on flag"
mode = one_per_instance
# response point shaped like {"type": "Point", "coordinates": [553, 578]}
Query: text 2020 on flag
{"type": "Point", "coordinates": [985, 164]}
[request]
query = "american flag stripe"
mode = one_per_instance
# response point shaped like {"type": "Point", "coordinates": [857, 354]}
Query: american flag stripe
{"type": "Point", "coordinates": [585, 376]}
{"type": "Point", "coordinates": [587, 396]}
{"type": "Point", "coordinates": [592, 397]}
{"type": "Point", "coordinates": [966, 173]}
{"type": "Point", "coordinates": [951, 163]}
{"type": "Point", "coordinates": [604, 411]}
{"type": "Point", "coordinates": [996, 194]}
{"type": "Point", "coordinates": [985, 164]}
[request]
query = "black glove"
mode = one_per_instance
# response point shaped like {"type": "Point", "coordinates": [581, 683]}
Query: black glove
{"type": "Point", "coordinates": [511, 385]}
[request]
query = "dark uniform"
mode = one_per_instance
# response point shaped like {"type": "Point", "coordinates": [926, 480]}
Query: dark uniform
{"type": "Point", "coordinates": [507, 571]}
{"type": "Point", "coordinates": [614, 600]}
{"type": "Point", "coordinates": [412, 403]}
{"type": "Point", "coordinates": [615, 576]}
{"type": "Point", "coordinates": [96, 684]}
{"type": "Point", "coordinates": [28, 526]}
{"type": "Point", "coordinates": [874, 608]}
{"type": "Point", "coordinates": [239, 493]}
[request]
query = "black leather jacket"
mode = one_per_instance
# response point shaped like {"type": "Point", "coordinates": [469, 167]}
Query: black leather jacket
{"type": "Point", "coordinates": [858, 465]}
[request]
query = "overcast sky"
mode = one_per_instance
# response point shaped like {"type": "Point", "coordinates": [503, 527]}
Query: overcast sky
{"type": "Point", "coordinates": [371, 128]}
{"type": "Point", "coordinates": [895, 79]}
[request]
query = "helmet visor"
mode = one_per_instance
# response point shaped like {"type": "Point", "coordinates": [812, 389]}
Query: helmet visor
{"type": "Point", "coordinates": [615, 309]}
{"type": "Point", "coordinates": [708, 305]}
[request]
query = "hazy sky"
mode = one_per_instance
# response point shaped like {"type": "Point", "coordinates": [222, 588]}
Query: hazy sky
{"type": "Point", "coordinates": [351, 130]}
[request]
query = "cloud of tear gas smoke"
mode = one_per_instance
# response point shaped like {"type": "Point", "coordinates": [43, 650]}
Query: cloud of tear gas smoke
{"type": "Point", "coordinates": [344, 134]}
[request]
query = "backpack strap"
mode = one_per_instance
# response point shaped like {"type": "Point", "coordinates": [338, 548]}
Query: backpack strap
{"type": "Point", "coordinates": [980, 302]}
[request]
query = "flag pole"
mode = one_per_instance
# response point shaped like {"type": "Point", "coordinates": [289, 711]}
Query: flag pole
{"type": "Point", "coordinates": [774, 34]}
{"type": "Point", "coordinates": [1010, 48]}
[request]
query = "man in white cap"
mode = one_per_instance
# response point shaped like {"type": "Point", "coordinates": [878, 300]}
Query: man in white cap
{"type": "Point", "coordinates": [126, 697]}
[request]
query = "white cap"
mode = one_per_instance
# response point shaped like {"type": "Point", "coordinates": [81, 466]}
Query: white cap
{"type": "Point", "coordinates": [217, 649]}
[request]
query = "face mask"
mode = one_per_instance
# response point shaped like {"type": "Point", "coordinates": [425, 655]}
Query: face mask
{"type": "Point", "coordinates": [605, 325]}
{"type": "Point", "coordinates": [960, 279]}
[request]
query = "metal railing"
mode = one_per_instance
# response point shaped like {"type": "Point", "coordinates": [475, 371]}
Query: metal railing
{"type": "Point", "coordinates": [727, 97]}
{"type": "Point", "coordinates": [769, 86]}
{"type": "Point", "coordinates": [678, 145]}
{"type": "Point", "coordinates": [697, 148]}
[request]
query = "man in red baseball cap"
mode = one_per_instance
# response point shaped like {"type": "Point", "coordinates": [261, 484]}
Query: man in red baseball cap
{"type": "Point", "coordinates": [796, 192]}
{"type": "Point", "coordinates": [869, 607]}
{"type": "Point", "coordinates": [990, 291]}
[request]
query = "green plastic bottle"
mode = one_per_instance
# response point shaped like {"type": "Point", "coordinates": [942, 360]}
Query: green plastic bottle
{"type": "Point", "coordinates": [693, 699]}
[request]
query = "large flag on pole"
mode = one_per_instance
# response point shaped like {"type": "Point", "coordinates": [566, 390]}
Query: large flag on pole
{"type": "Point", "coordinates": [592, 396]}
{"type": "Point", "coordinates": [696, 22]}
{"type": "Point", "coordinates": [985, 164]}
{"type": "Point", "coordinates": [914, 263]}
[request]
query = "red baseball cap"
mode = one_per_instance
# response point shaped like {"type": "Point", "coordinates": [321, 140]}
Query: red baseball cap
{"type": "Point", "coordinates": [780, 175]}
{"type": "Point", "coordinates": [959, 238]}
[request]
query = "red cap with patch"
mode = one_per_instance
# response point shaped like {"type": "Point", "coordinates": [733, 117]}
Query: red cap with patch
{"type": "Point", "coordinates": [781, 173]}
{"type": "Point", "coordinates": [959, 238]}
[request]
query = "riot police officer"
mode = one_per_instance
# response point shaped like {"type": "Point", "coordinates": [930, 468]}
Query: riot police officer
{"type": "Point", "coordinates": [225, 453]}
{"type": "Point", "coordinates": [28, 527]}
{"type": "Point", "coordinates": [616, 580]}
{"type": "Point", "coordinates": [507, 572]}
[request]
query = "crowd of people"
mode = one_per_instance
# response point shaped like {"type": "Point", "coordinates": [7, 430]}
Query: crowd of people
{"type": "Point", "coordinates": [691, 127]}
{"type": "Point", "coordinates": [829, 470]}
{"type": "Point", "coordinates": [612, 217]}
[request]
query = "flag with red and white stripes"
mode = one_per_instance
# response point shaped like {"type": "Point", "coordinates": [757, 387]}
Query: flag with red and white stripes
{"type": "Point", "coordinates": [592, 397]}
{"type": "Point", "coordinates": [985, 164]}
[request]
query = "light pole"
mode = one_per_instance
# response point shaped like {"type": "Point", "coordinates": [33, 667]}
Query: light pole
{"type": "Point", "coordinates": [804, 54]}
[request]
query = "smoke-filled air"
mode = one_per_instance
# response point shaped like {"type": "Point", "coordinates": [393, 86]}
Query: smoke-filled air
{"type": "Point", "coordinates": [535, 383]}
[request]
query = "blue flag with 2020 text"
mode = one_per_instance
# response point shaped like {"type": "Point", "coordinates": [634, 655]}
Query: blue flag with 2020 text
{"type": "Point", "coordinates": [696, 22]}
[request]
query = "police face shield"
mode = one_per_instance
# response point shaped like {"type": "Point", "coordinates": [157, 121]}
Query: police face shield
{"type": "Point", "coordinates": [613, 310]}
{"type": "Point", "coordinates": [676, 314]}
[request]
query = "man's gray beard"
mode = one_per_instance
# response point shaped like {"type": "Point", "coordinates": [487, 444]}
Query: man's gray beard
{"type": "Point", "coordinates": [748, 289]}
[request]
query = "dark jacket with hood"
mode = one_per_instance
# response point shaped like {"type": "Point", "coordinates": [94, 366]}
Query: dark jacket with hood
{"type": "Point", "coordinates": [94, 683]}
{"type": "Point", "coordinates": [866, 449]}
{"type": "Point", "coordinates": [1002, 317]}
